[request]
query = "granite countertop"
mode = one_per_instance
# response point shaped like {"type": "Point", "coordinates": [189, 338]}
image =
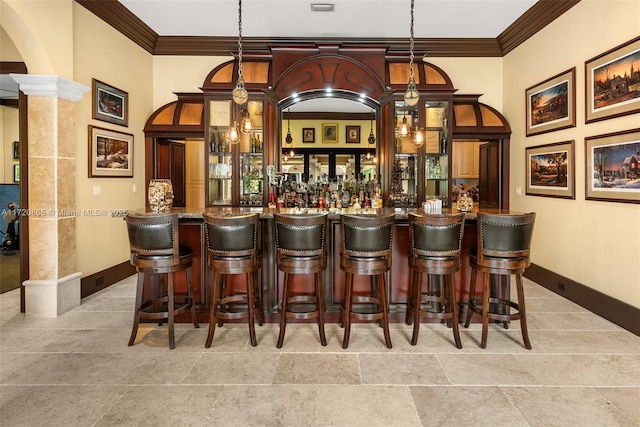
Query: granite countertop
{"type": "Point", "coordinates": [334, 213]}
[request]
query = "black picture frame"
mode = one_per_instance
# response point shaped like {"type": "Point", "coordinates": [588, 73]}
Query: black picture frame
{"type": "Point", "coordinates": [308, 135]}
{"type": "Point", "coordinates": [110, 104]}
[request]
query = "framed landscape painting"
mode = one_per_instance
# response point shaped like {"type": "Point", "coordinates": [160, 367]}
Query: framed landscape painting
{"type": "Point", "coordinates": [110, 153]}
{"type": "Point", "coordinates": [613, 167]}
{"type": "Point", "coordinates": [110, 104]}
{"type": "Point", "coordinates": [551, 170]}
{"type": "Point", "coordinates": [329, 132]}
{"type": "Point", "coordinates": [551, 104]}
{"type": "Point", "coordinates": [613, 82]}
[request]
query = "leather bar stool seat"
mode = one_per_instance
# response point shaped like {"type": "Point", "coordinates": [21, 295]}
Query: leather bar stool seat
{"type": "Point", "coordinates": [504, 247]}
{"type": "Point", "coordinates": [155, 250]}
{"type": "Point", "coordinates": [436, 244]}
{"type": "Point", "coordinates": [233, 248]}
{"type": "Point", "coordinates": [365, 249]}
{"type": "Point", "coordinates": [301, 249]}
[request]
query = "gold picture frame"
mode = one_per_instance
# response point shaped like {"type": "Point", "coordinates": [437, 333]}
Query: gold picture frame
{"type": "Point", "coordinates": [330, 132]}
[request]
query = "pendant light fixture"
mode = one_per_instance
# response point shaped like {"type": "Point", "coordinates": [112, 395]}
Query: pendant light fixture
{"type": "Point", "coordinates": [234, 135]}
{"type": "Point", "coordinates": [418, 138]}
{"type": "Point", "coordinates": [411, 96]}
{"type": "Point", "coordinates": [404, 128]}
{"type": "Point", "coordinates": [246, 126]}
{"type": "Point", "coordinates": [372, 138]}
{"type": "Point", "coordinates": [240, 94]}
{"type": "Point", "coordinates": [289, 138]}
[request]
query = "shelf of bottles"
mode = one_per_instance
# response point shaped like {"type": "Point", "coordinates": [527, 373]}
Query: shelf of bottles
{"type": "Point", "coordinates": [340, 189]}
{"type": "Point", "coordinates": [243, 158]}
{"type": "Point", "coordinates": [436, 151]}
{"type": "Point", "coordinates": [404, 172]}
{"type": "Point", "coordinates": [220, 156]}
{"type": "Point", "coordinates": [251, 165]}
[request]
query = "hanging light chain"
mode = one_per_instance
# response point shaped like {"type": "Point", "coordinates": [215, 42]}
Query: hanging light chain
{"type": "Point", "coordinates": [240, 40]}
{"type": "Point", "coordinates": [411, 78]}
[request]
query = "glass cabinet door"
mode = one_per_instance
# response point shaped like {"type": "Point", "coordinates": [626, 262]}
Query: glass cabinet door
{"type": "Point", "coordinates": [251, 149]}
{"type": "Point", "coordinates": [235, 170]}
{"type": "Point", "coordinates": [403, 190]}
{"type": "Point", "coordinates": [436, 143]}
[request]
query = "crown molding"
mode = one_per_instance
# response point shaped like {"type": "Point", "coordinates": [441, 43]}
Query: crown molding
{"type": "Point", "coordinates": [536, 18]}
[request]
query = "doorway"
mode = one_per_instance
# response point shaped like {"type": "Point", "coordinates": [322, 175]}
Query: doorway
{"type": "Point", "coordinates": [13, 185]}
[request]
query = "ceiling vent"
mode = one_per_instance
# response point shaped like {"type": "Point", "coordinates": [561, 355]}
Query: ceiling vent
{"type": "Point", "coordinates": [323, 7]}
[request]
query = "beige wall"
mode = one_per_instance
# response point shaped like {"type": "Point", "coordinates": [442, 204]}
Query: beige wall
{"type": "Point", "coordinates": [594, 243]}
{"type": "Point", "coordinates": [102, 53]}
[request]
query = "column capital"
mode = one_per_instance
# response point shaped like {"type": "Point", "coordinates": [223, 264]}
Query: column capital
{"type": "Point", "coordinates": [50, 85]}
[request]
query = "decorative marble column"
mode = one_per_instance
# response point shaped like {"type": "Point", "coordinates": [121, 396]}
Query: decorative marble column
{"type": "Point", "coordinates": [54, 284]}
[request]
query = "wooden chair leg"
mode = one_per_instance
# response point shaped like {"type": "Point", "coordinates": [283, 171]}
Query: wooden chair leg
{"type": "Point", "coordinates": [213, 318]}
{"type": "Point", "coordinates": [283, 310]}
{"type": "Point", "coordinates": [320, 304]}
{"type": "Point", "coordinates": [523, 312]}
{"type": "Point", "coordinates": [472, 295]}
{"type": "Point", "coordinates": [382, 291]}
{"type": "Point", "coordinates": [347, 310]}
{"type": "Point", "coordinates": [485, 310]}
{"type": "Point", "coordinates": [194, 316]}
{"type": "Point", "coordinates": [417, 305]}
{"type": "Point", "coordinates": [250, 308]}
{"type": "Point", "coordinates": [136, 318]}
{"type": "Point", "coordinates": [171, 310]}
{"type": "Point", "coordinates": [258, 301]}
{"type": "Point", "coordinates": [451, 285]}
{"type": "Point", "coordinates": [410, 302]}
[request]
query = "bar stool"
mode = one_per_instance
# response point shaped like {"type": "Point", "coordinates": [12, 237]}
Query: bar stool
{"type": "Point", "coordinates": [504, 245]}
{"type": "Point", "coordinates": [232, 248]}
{"type": "Point", "coordinates": [153, 239]}
{"type": "Point", "coordinates": [301, 249]}
{"type": "Point", "coordinates": [436, 244]}
{"type": "Point", "coordinates": [366, 246]}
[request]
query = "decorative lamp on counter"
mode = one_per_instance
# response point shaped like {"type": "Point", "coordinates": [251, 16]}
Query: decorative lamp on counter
{"type": "Point", "coordinates": [240, 94]}
{"type": "Point", "coordinates": [160, 195]}
{"type": "Point", "coordinates": [411, 96]}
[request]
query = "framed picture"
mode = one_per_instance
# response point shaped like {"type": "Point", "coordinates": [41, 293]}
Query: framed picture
{"type": "Point", "coordinates": [329, 132]}
{"type": "Point", "coordinates": [613, 82]}
{"type": "Point", "coordinates": [110, 153]}
{"type": "Point", "coordinates": [551, 104]}
{"type": "Point", "coordinates": [308, 135]}
{"type": "Point", "coordinates": [613, 167]}
{"type": "Point", "coordinates": [551, 170]}
{"type": "Point", "coordinates": [109, 103]}
{"type": "Point", "coordinates": [16, 173]}
{"type": "Point", "coordinates": [353, 134]}
{"type": "Point", "coordinates": [16, 150]}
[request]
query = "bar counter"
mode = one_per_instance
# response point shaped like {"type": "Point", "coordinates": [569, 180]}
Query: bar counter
{"type": "Point", "coordinates": [192, 235]}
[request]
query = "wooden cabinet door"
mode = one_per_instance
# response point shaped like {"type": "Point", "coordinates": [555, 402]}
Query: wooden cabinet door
{"type": "Point", "coordinates": [170, 161]}
{"type": "Point", "coordinates": [490, 180]}
{"type": "Point", "coordinates": [465, 159]}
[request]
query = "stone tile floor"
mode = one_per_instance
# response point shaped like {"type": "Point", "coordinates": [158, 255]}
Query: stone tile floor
{"type": "Point", "coordinates": [77, 370]}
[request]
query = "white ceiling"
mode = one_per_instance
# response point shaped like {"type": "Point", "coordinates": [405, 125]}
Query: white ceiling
{"type": "Point", "coordinates": [351, 18]}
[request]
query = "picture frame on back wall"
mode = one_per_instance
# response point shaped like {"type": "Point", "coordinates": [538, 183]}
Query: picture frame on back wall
{"type": "Point", "coordinates": [110, 104]}
{"type": "Point", "coordinates": [110, 153]}
{"type": "Point", "coordinates": [612, 82]}
{"type": "Point", "coordinates": [612, 167]}
{"type": "Point", "coordinates": [551, 170]}
{"type": "Point", "coordinates": [329, 132]}
{"type": "Point", "coordinates": [352, 134]}
{"type": "Point", "coordinates": [551, 104]}
{"type": "Point", "coordinates": [308, 135]}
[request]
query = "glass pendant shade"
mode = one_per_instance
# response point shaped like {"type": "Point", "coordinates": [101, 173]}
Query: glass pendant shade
{"type": "Point", "coordinates": [418, 138]}
{"type": "Point", "coordinates": [404, 128]}
{"type": "Point", "coordinates": [234, 136]}
{"type": "Point", "coordinates": [246, 126]}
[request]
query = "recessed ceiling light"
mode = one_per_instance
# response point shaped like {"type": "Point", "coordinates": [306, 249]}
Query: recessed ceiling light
{"type": "Point", "coordinates": [322, 7]}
